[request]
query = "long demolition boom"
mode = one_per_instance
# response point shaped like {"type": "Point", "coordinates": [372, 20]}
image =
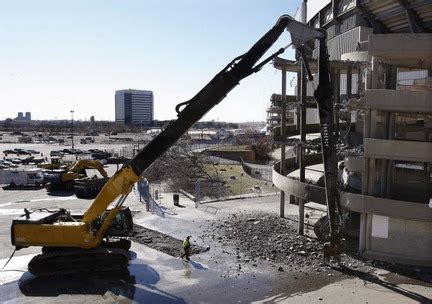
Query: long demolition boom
{"type": "Point", "coordinates": [194, 109]}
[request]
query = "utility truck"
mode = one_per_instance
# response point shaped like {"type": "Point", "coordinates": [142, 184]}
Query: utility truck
{"type": "Point", "coordinates": [30, 177]}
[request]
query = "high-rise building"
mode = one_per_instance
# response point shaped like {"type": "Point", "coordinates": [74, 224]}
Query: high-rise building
{"type": "Point", "coordinates": [134, 107]}
{"type": "Point", "coordinates": [21, 116]}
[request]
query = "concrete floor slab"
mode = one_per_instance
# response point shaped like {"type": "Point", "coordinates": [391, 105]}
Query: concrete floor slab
{"type": "Point", "coordinates": [403, 50]}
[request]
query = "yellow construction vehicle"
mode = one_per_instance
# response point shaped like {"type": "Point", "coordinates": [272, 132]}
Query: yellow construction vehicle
{"type": "Point", "coordinates": [90, 241]}
{"type": "Point", "coordinates": [64, 179]}
{"type": "Point", "coordinates": [55, 163]}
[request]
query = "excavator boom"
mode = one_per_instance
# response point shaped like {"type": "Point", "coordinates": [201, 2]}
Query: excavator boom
{"type": "Point", "coordinates": [88, 164]}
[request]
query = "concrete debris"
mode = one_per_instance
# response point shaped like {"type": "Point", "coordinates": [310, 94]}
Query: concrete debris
{"type": "Point", "coordinates": [270, 238]}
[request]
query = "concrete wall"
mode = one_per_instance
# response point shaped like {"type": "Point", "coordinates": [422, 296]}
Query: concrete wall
{"type": "Point", "coordinates": [400, 240]}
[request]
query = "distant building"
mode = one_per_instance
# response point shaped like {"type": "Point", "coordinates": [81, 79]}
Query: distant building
{"type": "Point", "coordinates": [21, 116]}
{"type": "Point", "coordinates": [134, 107]}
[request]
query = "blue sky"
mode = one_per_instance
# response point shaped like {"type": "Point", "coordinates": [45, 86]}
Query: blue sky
{"type": "Point", "coordinates": [58, 56]}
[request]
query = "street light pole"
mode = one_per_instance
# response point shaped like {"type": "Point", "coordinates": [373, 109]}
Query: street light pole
{"type": "Point", "coordinates": [72, 111]}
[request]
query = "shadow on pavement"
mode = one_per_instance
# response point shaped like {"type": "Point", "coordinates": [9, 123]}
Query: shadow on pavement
{"type": "Point", "coordinates": [20, 188]}
{"type": "Point", "coordinates": [197, 265]}
{"type": "Point", "coordinates": [61, 193]}
{"type": "Point", "coordinates": [119, 283]}
{"type": "Point", "coordinates": [370, 278]}
{"type": "Point", "coordinates": [109, 285]}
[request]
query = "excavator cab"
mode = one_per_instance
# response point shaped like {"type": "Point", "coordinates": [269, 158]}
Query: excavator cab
{"type": "Point", "coordinates": [122, 225]}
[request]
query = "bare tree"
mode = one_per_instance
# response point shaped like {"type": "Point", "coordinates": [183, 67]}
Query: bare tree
{"type": "Point", "coordinates": [180, 168]}
{"type": "Point", "coordinates": [262, 147]}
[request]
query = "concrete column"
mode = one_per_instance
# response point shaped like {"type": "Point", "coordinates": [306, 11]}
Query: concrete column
{"type": "Point", "coordinates": [377, 74]}
{"type": "Point", "coordinates": [359, 81]}
{"type": "Point", "coordinates": [385, 163]}
{"type": "Point", "coordinates": [368, 176]}
{"type": "Point", "coordinates": [391, 134]}
{"type": "Point", "coordinates": [365, 175]}
{"type": "Point", "coordinates": [383, 177]}
{"type": "Point", "coordinates": [366, 123]}
{"type": "Point", "coordinates": [349, 81]}
{"type": "Point", "coordinates": [362, 233]}
{"type": "Point", "coordinates": [390, 171]}
{"type": "Point", "coordinates": [366, 134]}
{"type": "Point", "coordinates": [283, 138]}
{"type": "Point", "coordinates": [371, 176]}
{"type": "Point", "coordinates": [374, 131]}
{"type": "Point", "coordinates": [368, 79]}
{"type": "Point", "coordinates": [298, 121]}
{"type": "Point", "coordinates": [348, 91]}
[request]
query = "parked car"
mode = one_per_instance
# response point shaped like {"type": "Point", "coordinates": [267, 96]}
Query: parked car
{"type": "Point", "coordinates": [68, 151]}
{"type": "Point", "coordinates": [101, 155]}
{"type": "Point", "coordinates": [16, 161]}
{"type": "Point", "coordinates": [56, 153]}
{"type": "Point", "coordinates": [32, 159]}
{"type": "Point", "coordinates": [9, 151]}
{"type": "Point", "coordinates": [22, 151]}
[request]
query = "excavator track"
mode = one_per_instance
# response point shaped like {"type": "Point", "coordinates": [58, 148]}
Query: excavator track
{"type": "Point", "coordinates": [89, 188]}
{"type": "Point", "coordinates": [75, 260]}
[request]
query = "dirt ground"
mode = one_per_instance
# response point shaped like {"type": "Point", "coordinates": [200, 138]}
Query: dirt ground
{"type": "Point", "coordinates": [161, 241]}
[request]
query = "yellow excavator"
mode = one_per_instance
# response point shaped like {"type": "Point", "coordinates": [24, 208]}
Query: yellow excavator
{"type": "Point", "coordinates": [64, 180]}
{"type": "Point", "coordinates": [55, 163]}
{"type": "Point", "coordinates": [97, 240]}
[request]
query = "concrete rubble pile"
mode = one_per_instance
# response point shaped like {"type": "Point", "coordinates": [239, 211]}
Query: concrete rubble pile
{"type": "Point", "coordinates": [263, 237]}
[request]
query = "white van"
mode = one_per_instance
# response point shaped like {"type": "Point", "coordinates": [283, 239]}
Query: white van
{"type": "Point", "coordinates": [30, 177]}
